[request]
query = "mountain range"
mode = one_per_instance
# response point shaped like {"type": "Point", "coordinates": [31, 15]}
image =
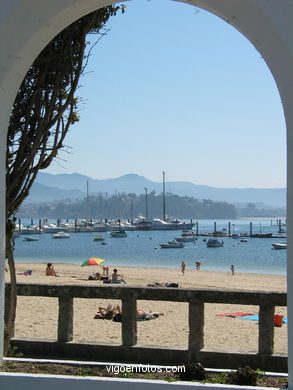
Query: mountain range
{"type": "Point", "coordinates": [49, 187]}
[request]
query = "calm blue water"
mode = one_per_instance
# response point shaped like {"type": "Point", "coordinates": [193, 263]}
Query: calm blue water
{"type": "Point", "coordinates": [142, 249]}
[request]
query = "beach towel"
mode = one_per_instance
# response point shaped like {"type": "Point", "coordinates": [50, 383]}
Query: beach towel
{"type": "Point", "coordinates": [147, 318]}
{"type": "Point", "coordinates": [246, 316]}
{"type": "Point", "coordinates": [234, 315]}
{"type": "Point", "coordinates": [26, 273]}
{"type": "Point", "coordinates": [118, 318]}
{"type": "Point", "coordinates": [255, 317]}
{"type": "Point", "coordinates": [251, 317]}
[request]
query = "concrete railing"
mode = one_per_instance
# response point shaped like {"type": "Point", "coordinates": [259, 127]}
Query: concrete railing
{"type": "Point", "coordinates": [129, 351]}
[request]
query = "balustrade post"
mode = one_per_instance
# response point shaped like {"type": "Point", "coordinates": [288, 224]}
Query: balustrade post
{"type": "Point", "coordinates": [65, 319]}
{"type": "Point", "coordinates": [266, 330]}
{"type": "Point", "coordinates": [129, 324]}
{"type": "Point", "coordinates": [196, 326]}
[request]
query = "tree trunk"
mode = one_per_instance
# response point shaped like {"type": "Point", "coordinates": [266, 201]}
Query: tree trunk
{"type": "Point", "coordinates": [12, 297]}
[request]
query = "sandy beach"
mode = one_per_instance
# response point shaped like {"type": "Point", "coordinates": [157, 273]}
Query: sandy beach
{"type": "Point", "coordinates": [37, 317]}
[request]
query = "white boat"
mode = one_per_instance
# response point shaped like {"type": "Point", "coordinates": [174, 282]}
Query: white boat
{"type": "Point", "coordinates": [52, 228]}
{"type": "Point", "coordinates": [29, 230]}
{"type": "Point", "coordinates": [118, 233]}
{"type": "Point", "coordinates": [281, 245]}
{"type": "Point", "coordinates": [172, 244]}
{"type": "Point", "coordinates": [60, 235]}
{"type": "Point", "coordinates": [161, 224]}
{"type": "Point", "coordinates": [30, 239]}
{"type": "Point", "coordinates": [243, 239]}
{"type": "Point", "coordinates": [188, 233]}
{"type": "Point", "coordinates": [98, 237]}
{"type": "Point", "coordinates": [101, 227]}
{"type": "Point", "coordinates": [186, 239]}
{"type": "Point", "coordinates": [143, 223]}
{"type": "Point", "coordinates": [214, 243]}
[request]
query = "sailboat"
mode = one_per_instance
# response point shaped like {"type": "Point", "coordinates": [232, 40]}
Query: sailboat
{"type": "Point", "coordinates": [161, 223]}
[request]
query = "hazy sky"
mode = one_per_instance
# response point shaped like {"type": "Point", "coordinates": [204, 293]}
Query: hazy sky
{"type": "Point", "coordinates": [177, 90]}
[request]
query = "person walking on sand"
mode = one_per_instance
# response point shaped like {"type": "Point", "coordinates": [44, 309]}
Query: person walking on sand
{"type": "Point", "coordinates": [197, 265]}
{"type": "Point", "coordinates": [183, 266]}
{"type": "Point", "coordinates": [232, 269]}
{"type": "Point", "coordinates": [105, 270]}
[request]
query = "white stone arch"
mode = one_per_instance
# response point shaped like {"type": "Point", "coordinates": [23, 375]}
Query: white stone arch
{"type": "Point", "coordinates": [26, 26]}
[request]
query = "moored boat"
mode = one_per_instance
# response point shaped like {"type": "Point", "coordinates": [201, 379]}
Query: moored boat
{"type": "Point", "coordinates": [214, 243]}
{"type": "Point", "coordinates": [30, 239]}
{"type": "Point", "coordinates": [118, 233]}
{"type": "Point", "coordinates": [98, 237]}
{"type": "Point", "coordinates": [161, 224]}
{"type": "Point", "coordinates": [52, 228]}
{"type": "Point", "coordinates": [188, 233]}
{"type": "Point", "coordinates": [261, 235]}
{"type": "Point", "coordinates": [172, 244]}
{"type": "Point", "coordinates": [60, 235]}
{"type": "Point", "coordinates": [186, 239]}
{"type": "Point", "coordinates": [280, 245]}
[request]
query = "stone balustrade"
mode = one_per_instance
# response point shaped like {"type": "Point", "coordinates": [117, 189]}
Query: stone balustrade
{"type": "Point", "coordinates": [129, 351]}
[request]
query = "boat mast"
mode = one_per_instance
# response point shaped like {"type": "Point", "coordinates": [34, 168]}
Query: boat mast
{"type": "Point", "coordinates": [146, 203]}
{"type": "Point", "coordinates": [164, 200]}
{"type": "Point", "coordinates": [87, 200]}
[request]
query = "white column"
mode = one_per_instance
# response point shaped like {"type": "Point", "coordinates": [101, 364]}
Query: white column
{"type": "Point", "coordinates": [3, 124]}
{"type": "Point", "coordinates": [289, 120]}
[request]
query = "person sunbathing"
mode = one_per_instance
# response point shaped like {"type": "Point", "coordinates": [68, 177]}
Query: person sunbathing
{"type": "Point", "coordinates": [141, 315]}
{"type": "Point", "coordinates": [144, 315]}
{"type": "Point", "coordinates": [50, 271]}
{"type": "Point", "coordinates": [114, 312]}
{"type": "Point", "coordinates": [162, 284]}
{"type": "Point", "coordinates": [97, 276]}
{"type": "Point", "coordinates": [117, 278]}
{"type": "Point", "coordinates": [109, 312]}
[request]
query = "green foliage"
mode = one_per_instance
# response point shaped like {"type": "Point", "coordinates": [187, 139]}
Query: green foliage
{"type": "Point", "coordinates": [260, 373]}
{"type": "Point", "coordinates": [193, 371]}
{"type": "Point", "coordinates": [219, 377]}
{"type": "Point", "coordinates": [86, 371]}
{"type": "Point", "coordinates": [170, 380]}
{"type": "Point", "coordinates": [243, 376]}
{"type": "Point", "coordinates": [126, 207]}
{"type": "Point", "coordinates": [10, 365]}
{"type": "Point", "coordinates": [13, 352]}
{"type": "Point", "coordinates": [124, 375]}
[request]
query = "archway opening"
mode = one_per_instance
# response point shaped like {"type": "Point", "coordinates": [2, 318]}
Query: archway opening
{"type": "Point", "coordinates": [189, 111]}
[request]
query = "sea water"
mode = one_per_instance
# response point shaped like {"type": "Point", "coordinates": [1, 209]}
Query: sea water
{"type": "Point", "coordinates": [142, 249]}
